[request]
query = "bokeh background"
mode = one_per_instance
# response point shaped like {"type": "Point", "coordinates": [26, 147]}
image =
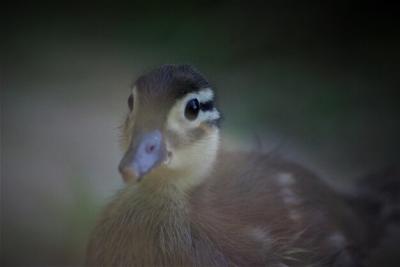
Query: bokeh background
{"type": "Point", "coordinates": [316, 81]}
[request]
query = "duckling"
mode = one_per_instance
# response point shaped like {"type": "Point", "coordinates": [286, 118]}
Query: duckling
{"type": "Point", "coordinates": [187, 202]}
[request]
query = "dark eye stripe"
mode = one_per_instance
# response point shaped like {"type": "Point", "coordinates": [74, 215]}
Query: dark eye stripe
{"type": "Point", "coordinates": [206, 106]}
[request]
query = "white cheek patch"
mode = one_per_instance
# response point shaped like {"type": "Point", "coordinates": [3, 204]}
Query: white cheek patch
{"type": "Point", "coordinates": [176, 120]}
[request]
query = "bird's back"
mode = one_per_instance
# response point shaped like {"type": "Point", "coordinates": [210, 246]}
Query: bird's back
{"type": "Point", "coordinates": [260, 210]}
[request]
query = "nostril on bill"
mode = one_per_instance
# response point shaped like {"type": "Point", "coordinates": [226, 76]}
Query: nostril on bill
{"type": "Point", "coordinates": [150, 143]}
{"type": "Point", "coordinates": [150, 148]}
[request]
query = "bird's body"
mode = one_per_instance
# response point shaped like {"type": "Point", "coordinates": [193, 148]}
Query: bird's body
{"type": "Point", "coordinates": [203, 206]}
{"type": "Point", "coordinates": [267, 212]}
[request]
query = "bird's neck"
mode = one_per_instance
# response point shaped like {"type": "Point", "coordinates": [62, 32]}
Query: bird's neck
{"type": "Point", "coordinates": [162, 213]}
{"type": "Point", "coordinates": [161, 200]}
{"type": "Point", "coordinates": [168, 196]}
{"type": "Point", "coordinates": [173, 184]}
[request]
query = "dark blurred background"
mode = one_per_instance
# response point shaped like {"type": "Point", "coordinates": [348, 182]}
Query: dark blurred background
{"type": "Point", "coordinates": [317, 81]}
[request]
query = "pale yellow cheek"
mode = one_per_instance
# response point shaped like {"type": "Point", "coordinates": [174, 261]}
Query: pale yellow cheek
{"type": "Point", "coordinates": [196, 160]}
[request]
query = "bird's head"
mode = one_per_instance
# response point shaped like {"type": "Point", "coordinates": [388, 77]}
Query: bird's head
{"type": "Point", "coordinates": [171, 131]}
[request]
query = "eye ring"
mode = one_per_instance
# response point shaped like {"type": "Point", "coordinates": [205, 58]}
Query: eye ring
{"type": "Point", "coordinates": [192, 109]}
{"type": "Point", "coordinates": [130, 102]}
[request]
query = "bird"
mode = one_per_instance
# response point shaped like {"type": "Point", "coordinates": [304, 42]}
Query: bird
{"type": "Point", "coordinates": [187, 201]}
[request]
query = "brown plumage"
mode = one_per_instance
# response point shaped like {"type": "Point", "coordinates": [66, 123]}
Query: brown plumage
{"type": "Point", "coordinates": [188, 203]}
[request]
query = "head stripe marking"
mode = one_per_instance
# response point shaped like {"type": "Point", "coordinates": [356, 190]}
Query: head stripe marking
{"type": "Point", "coordinates": [204, 95]}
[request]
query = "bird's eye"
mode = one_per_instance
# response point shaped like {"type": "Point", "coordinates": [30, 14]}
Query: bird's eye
{"type": "Point", "coordinates": [130, 102]}
{"type": "Point", "coordinates": [192, 109]}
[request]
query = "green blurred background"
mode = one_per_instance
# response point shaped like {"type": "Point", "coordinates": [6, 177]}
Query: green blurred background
{"type": "Point", "coordinates": [317, 81]}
